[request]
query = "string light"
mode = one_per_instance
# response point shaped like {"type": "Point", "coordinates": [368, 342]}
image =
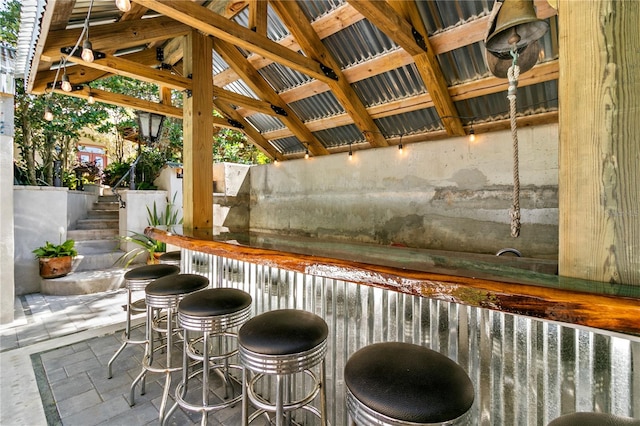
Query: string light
{"type": "Point", "coordinates": [472, 135]}
{"type": "Point", "coordinates": [48, 114]}
{"type": "Point", "coordinates": [350, 153]}
{"type": "Point", "coordinates": [91, 100]}
{"type": "Point", "coordinates": [306, 152]}
{"type": "Point", "coordinates": [123, 5]}
{"type": "Point", "coordinates": [66, 84]}
{"type": "Point", "coordinates": [400, 145]}
{"type": "Point", "coordinates": [87, 50]}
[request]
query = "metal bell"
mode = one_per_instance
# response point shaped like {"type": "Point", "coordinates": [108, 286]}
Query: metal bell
{"type": "Point", "coordinates": [516, 26]}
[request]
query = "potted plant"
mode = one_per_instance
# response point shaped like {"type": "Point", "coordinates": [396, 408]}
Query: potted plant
{"type": "Point", "coordinates": [55, 260]}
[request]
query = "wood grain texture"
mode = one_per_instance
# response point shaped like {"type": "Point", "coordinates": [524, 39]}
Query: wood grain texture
{"type": "Point", "coordinates": [599, 86]}
{"type": "Point", "coordinates": [603, 311]}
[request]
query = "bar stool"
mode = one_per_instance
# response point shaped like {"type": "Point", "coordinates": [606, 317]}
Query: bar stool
{"type": "Point", "coordinates": [164, 294]}
{"type": "Point", "coordinates": [216, 313]}
{"type": "Point", "coordinates": [171, 258]}
{"type": "Point", "coordinates": [593, 419]}
{"type": "Point", "coordinates": [136, 280]}
{"type": "Point", "coordinates": [282, 343]}
{"type": "Point", "coordinates": [404, 384]}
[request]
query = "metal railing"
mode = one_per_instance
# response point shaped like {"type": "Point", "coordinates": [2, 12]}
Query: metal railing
{"type": "Point", "coordinates": [132, 182]}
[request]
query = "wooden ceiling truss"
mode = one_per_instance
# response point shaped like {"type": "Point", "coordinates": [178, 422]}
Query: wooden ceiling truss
{"type": "Point", "coordinates": [399, 20]}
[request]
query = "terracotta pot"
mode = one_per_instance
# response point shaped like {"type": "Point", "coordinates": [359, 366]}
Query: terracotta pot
{"type": "Point", "coordinates": [55, 267]}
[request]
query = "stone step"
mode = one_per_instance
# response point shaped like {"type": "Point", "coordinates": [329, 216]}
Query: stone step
{"type": "Point", "coordinates": [84, 282]}
{"type": "Point", "coordinates": [89, 224]}
{"type": "Point", "coordinates": [98, 261]}
{"type": "Point", "coordinates": [97, 246]}
{"type": "Point", "coordinates": [103, 214]}
{"type": "Point", "coordinates": [92, 234]}
{"type": "Point", "coordinates": [106, 205]}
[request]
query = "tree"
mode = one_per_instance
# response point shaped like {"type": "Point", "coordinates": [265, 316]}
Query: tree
{"type": "Point", "coordinates": [9, 22]}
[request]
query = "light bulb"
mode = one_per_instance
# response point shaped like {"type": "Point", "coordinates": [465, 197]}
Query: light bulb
{"type": "Point", "coordinates": [306, 155]}
{"type": "Point", "coordinates": [350, 154]}
{"type": "Point", "coordinates": [48, 115]}
{"type": "Point", "coordinates": [123, 5]}
{"type": "Point", "coordinates": [400, 147]}
{"type": "Point", "coordinates": [91, 99]}
{"type": "Point", "coordinates": [87, 51]}
{"type": "Point", "coordinates": [66, 84]}
{"type": "Point", "coordinates": [472, 136]}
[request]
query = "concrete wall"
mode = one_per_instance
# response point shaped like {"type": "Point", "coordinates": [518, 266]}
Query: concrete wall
{"type": "Point", "coordinates": [134, 216]}
{"type": "Point", "coordinates": [447, 195]}
{"type": "Point", "coordinates": [78, 204]}
{"type": "Point", "coordinates": [7, 292]}
{"type": "Point", "coordinates": [40, 215]}
{"type": "Point", "coordinates": [231, 196]}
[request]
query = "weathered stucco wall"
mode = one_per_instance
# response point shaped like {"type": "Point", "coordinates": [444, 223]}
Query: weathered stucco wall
{"type": "Point", "coordinates": [448, 195]}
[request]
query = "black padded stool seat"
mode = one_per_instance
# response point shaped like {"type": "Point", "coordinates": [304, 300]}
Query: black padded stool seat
{"type": "Point", "coordinates": [409, 383]}
{"type": "Point", "coordinates": [278, 345]}
{"type": "Point", "coordinates": [593, 419]}
{"type": "Point", "coordinates": [176, 284]}
{"type": "Point", "coordinates": [282, 332]}
{"type": "Point", "coordinates": [214, 302]}
{"type": "Point", "coordinates": [151, 272]}
{"type": "Point", "coordinates": [171, 257]}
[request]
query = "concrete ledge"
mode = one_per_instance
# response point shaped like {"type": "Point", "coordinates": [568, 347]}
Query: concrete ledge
{"type": "Point", "coordinates": [87, 282]}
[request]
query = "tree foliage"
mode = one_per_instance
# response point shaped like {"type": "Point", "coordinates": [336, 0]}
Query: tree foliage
{"type": "Point", "coordinates": [41, 143]}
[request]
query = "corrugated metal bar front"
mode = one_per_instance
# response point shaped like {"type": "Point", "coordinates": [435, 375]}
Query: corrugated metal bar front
{"type": "Point", "coordinates": [525, 371]}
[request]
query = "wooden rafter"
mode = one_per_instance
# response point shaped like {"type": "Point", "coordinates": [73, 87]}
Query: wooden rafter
{"type": "Point", "coordinates": [213, 24]}
{"type": "Point", "coordinates": [258, 16]}
{"type": "Point", "coordinates": [401, 29]}
{"type": "Point", "coordinates": [254, 136]}
{"type": "Point", "coordinates": [124, 35]}
{"type": "Point", "coordinates": [299, 26]}
{"type": "Point", "coordinates": [235, 59]}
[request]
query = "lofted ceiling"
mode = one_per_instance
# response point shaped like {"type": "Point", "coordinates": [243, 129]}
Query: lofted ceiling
{"type": "Point", "coordinates": [324, 75]}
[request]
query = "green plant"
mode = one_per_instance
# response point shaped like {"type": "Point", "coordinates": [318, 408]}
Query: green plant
{"type": "Point", "coordinates": [168, 217]}
{"type": "Point", "coordinates": [56, 250]}
{"type": "Point", "coordinates": [146, 245]}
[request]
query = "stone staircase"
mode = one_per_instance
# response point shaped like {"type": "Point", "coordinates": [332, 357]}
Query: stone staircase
{"type": "Point", "coordinates": [97, 242]}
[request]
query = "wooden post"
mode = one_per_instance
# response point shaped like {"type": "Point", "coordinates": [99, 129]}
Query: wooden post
{"type": "Point", "coordinates": [198, 133]}
{"type": "Point", "coordinates": [599, 180]}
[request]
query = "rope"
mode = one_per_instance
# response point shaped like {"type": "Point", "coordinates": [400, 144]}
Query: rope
{"type": "Point", "coordinates": [513, 73]}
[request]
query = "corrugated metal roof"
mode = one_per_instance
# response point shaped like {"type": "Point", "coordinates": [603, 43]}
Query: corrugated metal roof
{"type": "Point", "coordinates": [31, 12]}
{"type": "Point", "coordinates": [357, 43]}
{"type": "Point", "coordinates": [340, 136]}
{"type": "Point", "coordinates": [410, 122]}
{"type": "Point", "coordinates": [282, 78]}
{"type": "Point", "coordinates": [322, 105]}
{"type": "Point", "coordinates": [289, 145]}
{"type": "Point", "coordinates": [439, 15]}
{"type": "Point", "coordinates": [389, 86]}
{"type": "Point", "coordinates": [265, 123]}
{"type": "Point", "coordinates": [315, 9]}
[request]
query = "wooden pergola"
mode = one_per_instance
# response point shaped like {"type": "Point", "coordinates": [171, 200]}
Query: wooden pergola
{"type": "Point", "coordinates": [596, 72]}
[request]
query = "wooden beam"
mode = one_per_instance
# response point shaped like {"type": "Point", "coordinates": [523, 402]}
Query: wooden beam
{"type": "Point", "coordinates": [198, 134]}
{"type": "Point", "coordinates": [211, 23]}
{"type": "Point", "coordinates": [243, 101]}
{"type": "Point", "coordinates": [127, 68]}
{"type": "Point", "coordinates": [294, 18]}
{"type": "Point", "coordinates": [252, 134]}
{"type": "Point", "coordinates": [258, 16]}
{"type": "Point", "coordinates": [402, 30]}
{"type": "Point", "coordinates": [122, 35]}
{"type": "Point", "coordinates": [599, 156]}
{"type": "Point", "coordinates": [125, 101]}
{"type": "Point", "coordinates": [251, 77]}
{"type": "Point", "coordinates": [80, 74]}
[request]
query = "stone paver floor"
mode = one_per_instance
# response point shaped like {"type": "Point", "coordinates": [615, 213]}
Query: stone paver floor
{"type": "Point", "coordinates": [53, 366]}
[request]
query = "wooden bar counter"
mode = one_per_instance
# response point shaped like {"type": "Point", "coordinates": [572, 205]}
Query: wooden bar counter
{"type": "Point", "coordinates": [507, 284]}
